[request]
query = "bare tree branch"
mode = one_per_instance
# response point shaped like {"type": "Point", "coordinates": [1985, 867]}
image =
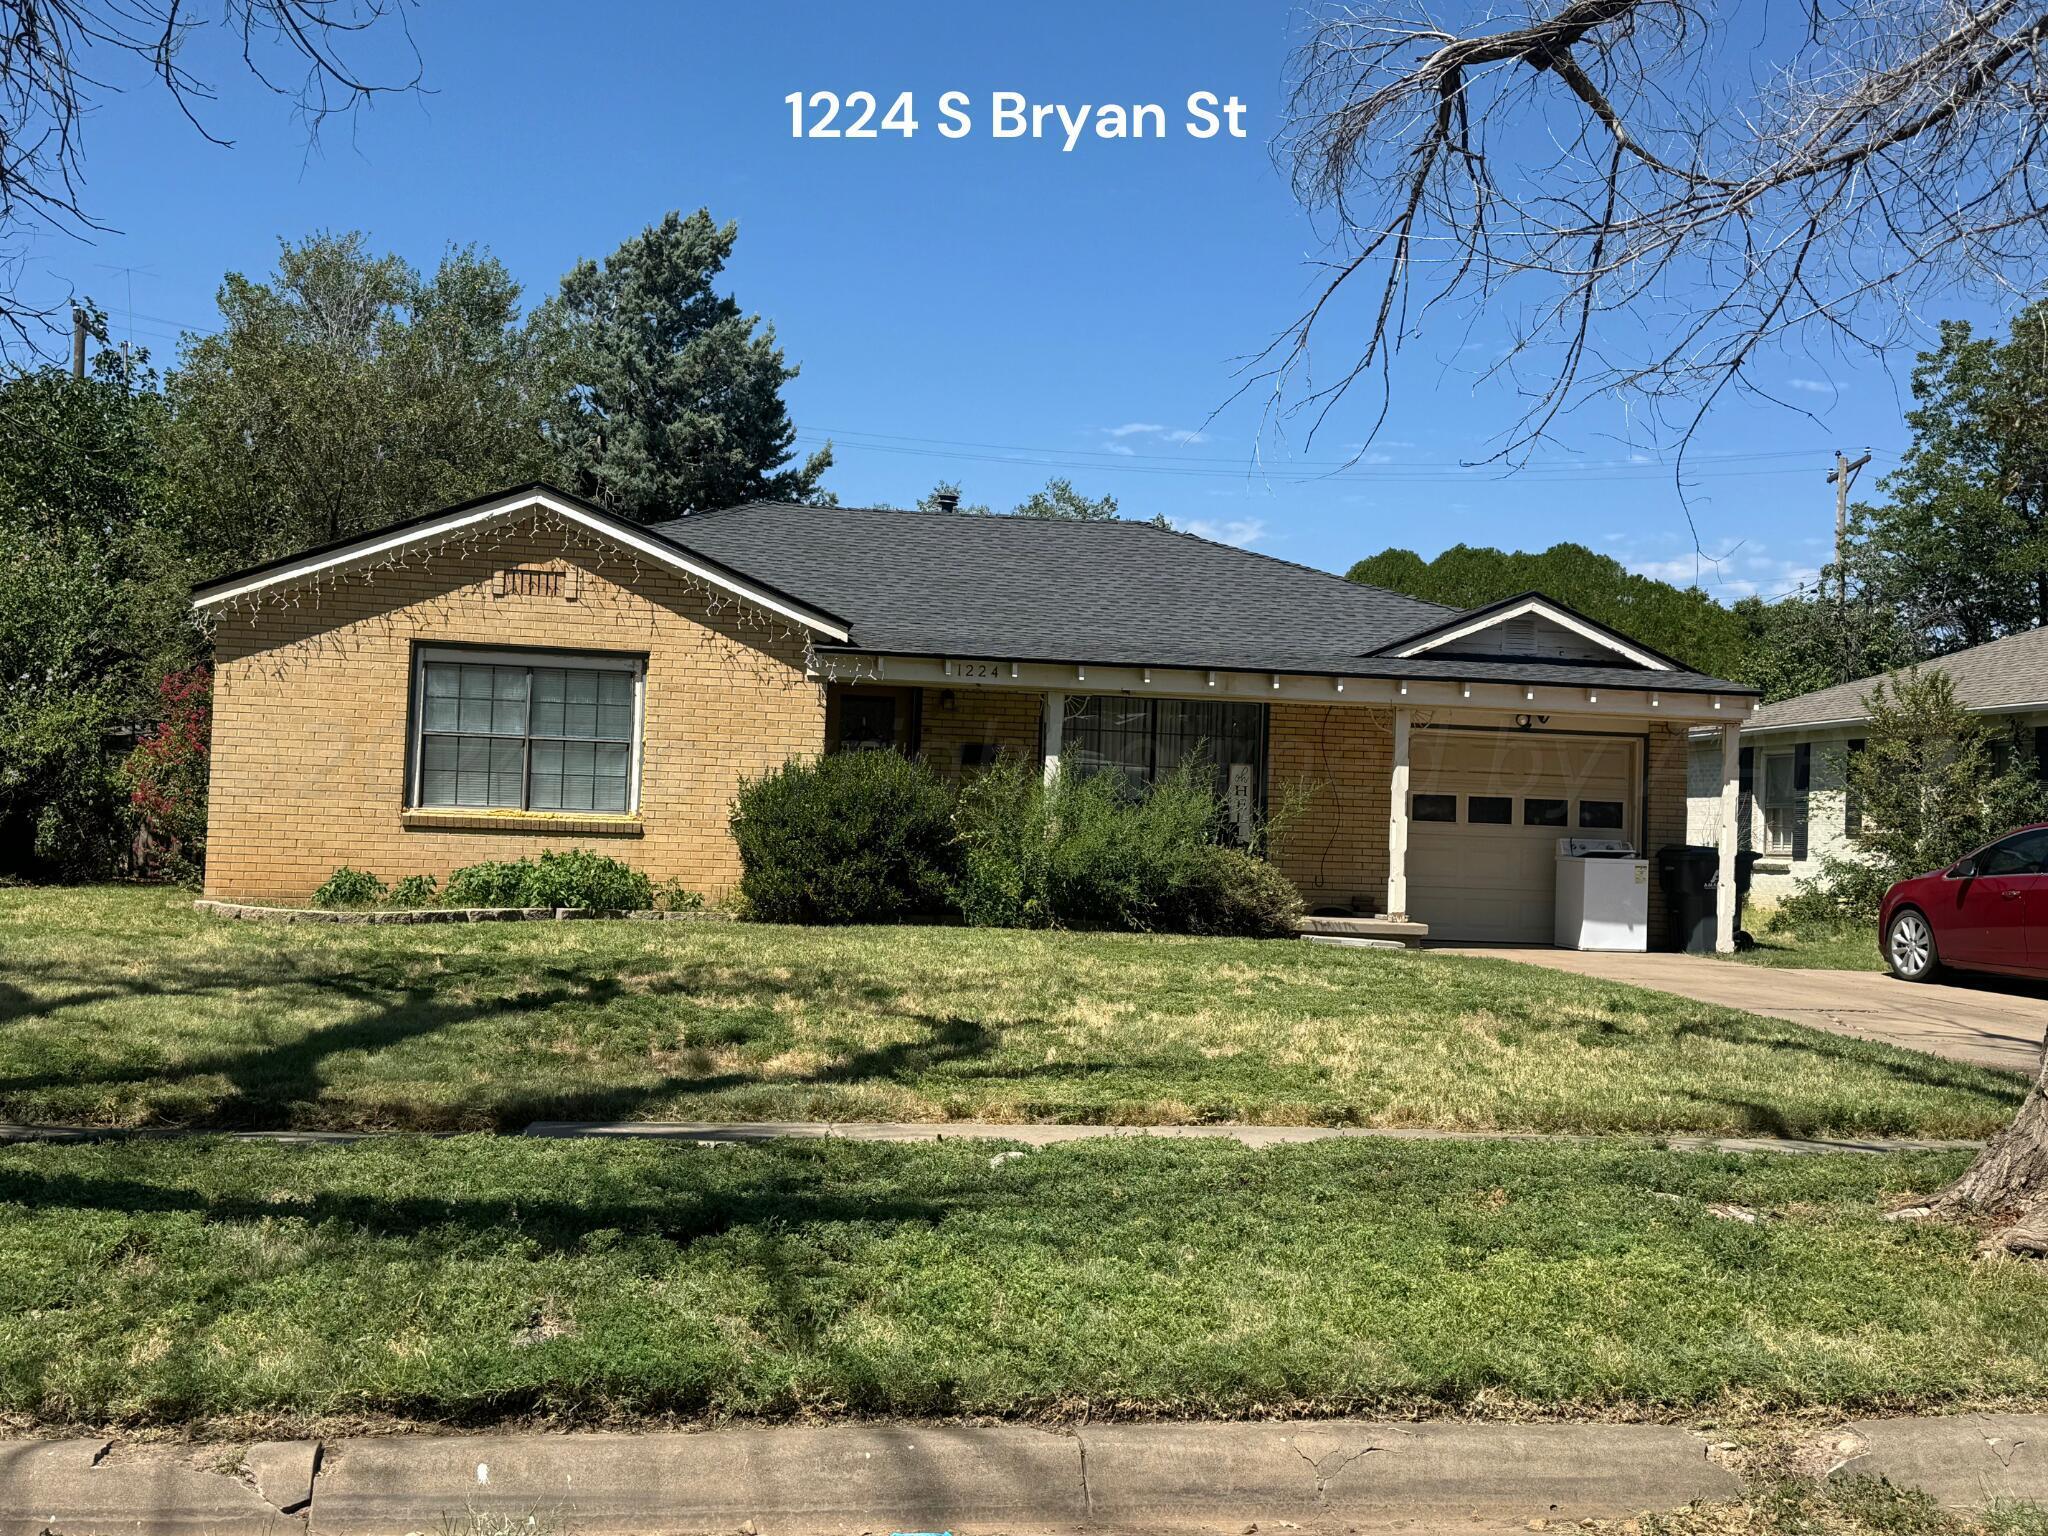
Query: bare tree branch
{"type": "Point", "coordinates": [299, 49]}
{"type": "Point", "coordinates": [1645, 214]}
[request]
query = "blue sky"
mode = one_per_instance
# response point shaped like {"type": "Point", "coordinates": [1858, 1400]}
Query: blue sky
{"type": "Point", "coordinates": [987, 311]}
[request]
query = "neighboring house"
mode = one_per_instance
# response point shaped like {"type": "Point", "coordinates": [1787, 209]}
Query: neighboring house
{"type": "Point", "coordinates": [527, 672]}
{"type": "Point", "coordinates": [1795, 809]}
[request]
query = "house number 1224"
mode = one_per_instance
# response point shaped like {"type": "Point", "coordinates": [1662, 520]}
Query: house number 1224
{"type": "Point", "coordinates": [860, 107]}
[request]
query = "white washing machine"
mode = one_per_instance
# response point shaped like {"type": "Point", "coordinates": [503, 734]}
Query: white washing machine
{"type": "Point", "coordinates": [1603, 895]}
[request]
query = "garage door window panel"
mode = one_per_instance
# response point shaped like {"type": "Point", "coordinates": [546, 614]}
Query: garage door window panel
{"type": "Point", "coordinates": [1542, 812]}
{"type": "Point", "coordinates": [1490, 810]}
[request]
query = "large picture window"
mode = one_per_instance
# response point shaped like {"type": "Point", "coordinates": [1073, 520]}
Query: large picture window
{"type": "Point", "coordinates": [1144, 740]}
{"type": "Point", "coordinates": [526, 732]}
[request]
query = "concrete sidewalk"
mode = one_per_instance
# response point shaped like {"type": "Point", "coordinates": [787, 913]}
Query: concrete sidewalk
{"type": "Point", "coordinates": [1324, 1475]}
{"type": "Point", "coordinates": [1987, 1021]}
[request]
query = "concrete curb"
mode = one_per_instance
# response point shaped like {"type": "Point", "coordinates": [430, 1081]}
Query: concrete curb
{"type": "Point", "coordinates": [870, 1478]}
{"type": "Point", "coordinates": [1965, 1462]}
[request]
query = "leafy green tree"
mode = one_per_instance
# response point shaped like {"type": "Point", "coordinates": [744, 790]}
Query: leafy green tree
{"type": "Point", "coordinates": [1061, 502]}
{"type": "Point", "coordinates": [668, 398]}
{"type": "Point", "coordinates": [347, 392]}
{"type": "Point", "coordinates": [1960, 546]}
{"type": "Point", "coordinates": [1934, 780]}
{"type": "Point", "coordinates": [92, 607]}
{"type": "Point", "coordinates": [1684, 623]}
{"type": "Point", "coordinates": [1797, 644]}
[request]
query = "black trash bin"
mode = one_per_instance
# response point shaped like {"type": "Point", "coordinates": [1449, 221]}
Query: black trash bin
{"type": "Point", "coordinates": [1689, 874]}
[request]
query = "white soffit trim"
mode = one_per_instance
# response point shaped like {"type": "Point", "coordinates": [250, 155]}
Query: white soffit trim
{"type": "Point", "coordinates": [663, 553]}
{"type": "Point", "coordinates": [1556, 616]}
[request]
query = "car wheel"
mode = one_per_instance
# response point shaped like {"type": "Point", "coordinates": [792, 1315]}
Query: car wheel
{"type": "Point", "coordinates": [1909, 947]}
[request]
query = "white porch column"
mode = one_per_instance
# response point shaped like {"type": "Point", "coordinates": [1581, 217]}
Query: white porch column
{"type": "Point", "coordinates": [1397, 823]}
{"type": "Point", "coordinates": [1055, 723]}
{"type": "Point", "coordinates": [1731, 800]}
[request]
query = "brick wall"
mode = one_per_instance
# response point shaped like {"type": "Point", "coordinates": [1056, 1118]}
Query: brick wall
{"type": "Point", "coordinates": [1341, 758]}
{"type": "Point", "coordinates": [310, 720]}
{"type": "Point", "coordinates": [1007, 719]}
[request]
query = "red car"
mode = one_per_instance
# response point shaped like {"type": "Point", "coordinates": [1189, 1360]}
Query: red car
{"type": "Point", "coordinates": [1985, 912]}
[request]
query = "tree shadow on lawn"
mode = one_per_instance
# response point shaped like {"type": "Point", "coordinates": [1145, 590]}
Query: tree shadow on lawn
{"type": "Point", "coordinates": [285, 1084]}
{"type": "Point", "coordinates": [1919, 1068]}
{"type": "Point", "coordinates": [682, 1207]}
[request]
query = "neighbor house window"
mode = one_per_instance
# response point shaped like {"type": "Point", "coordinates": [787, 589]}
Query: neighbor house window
{"type": "Point", "coordinates": [526, 732]}
{"type": "Point", "coordinates": [1781, 802]}
{"type": "Point", "coordinates": [1144, 740]}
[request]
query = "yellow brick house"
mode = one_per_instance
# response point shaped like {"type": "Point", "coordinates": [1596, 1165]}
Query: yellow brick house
{"type": "Point", "coordinates": [528, 671]}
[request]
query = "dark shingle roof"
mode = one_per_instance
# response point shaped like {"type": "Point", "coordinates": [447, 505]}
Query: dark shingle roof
{"type": "Point", "coordinates": [1115, 593]}
{"type": "Point", "coordinates": [2002, 674]}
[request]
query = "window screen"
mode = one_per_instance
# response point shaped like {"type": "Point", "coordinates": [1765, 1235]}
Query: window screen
{"type": "Point", "coordinates": [542, 737]}
{"type": "Point", "coordinates": [1144, 740]}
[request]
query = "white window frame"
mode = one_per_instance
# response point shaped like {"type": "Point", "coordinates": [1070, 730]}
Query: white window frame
{"type": "Point", "coordinates": [1774, 845]}
{"type": "Point", "coordinates": [582, 661]}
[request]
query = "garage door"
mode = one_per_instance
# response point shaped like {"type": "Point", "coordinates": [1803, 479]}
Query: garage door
{"type": "Point", "coordinates": [1486, 809]}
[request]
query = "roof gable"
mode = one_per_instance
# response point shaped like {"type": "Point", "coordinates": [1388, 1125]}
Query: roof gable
{"type": "Point", "coordinates": [506, 506]}
{"type": "Point", "coordinates": [1549, 629]}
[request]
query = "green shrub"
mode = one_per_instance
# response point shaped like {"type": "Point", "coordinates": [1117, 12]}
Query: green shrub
{"type": "Point", "coordinates": [413, 891]}
{"type": "Point", "coordinates": [853, 837]}
{"type": "Point", "coordinates": [1094, 853]}
{"type": "Point", "coordinates": [348, 887]}
{"type": "Point", "coordinates": [671, 895]}
{"type": "Point", "coordinates": [577, 878]}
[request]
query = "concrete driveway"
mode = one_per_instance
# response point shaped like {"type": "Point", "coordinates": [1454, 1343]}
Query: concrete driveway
{"type": "Point", "coordinates": [1989, 1021]}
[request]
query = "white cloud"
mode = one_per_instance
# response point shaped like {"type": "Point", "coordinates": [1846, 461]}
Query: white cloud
{"type": "Point", "coordinates": [1815, 386]}
{"type": "Point", "coordinates": [1164, 433]}
{"type": "Point", "coordinates": [1241, 531]}
{"type": "Point", "coordinates": [1731, 572]}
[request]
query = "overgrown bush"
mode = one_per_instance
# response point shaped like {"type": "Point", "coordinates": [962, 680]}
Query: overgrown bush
{"type": "Point", "coordinates": [577, 878]}
{"type": "Point", "coordinates": [852, 837]}
{"type": "Point", "coordinates": [348, 887]}
{"type": "Point", "coordinates": [1094, 853]}
{"type": "Point", "coordinates": [1934, 781]}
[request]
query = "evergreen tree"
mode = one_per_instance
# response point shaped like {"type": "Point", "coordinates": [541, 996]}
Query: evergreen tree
{"type": "Point", "coordinates": [668, 398]}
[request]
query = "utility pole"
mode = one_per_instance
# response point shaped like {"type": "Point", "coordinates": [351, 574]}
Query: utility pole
{"type": "Point", "coordinates": [1841, 477]}
{"type": "Point", "coordinates": [77, 342]}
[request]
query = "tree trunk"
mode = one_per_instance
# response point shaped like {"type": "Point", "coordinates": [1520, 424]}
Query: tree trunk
{"type": "Point", "coordinates": [2009, 1179]}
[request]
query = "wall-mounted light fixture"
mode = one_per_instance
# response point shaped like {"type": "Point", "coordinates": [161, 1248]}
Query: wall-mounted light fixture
{"type": "Point", "coordinates": [946, 698]}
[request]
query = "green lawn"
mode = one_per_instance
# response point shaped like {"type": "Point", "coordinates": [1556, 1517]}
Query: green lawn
{"type": "Point", "coordinates": [470, 1279]}
{"type": "Point", "coordinates": [1847, 948]}
{"type": "Point", "coordinates": [123, 1007]}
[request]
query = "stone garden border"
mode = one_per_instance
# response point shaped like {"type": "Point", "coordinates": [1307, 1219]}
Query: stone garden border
{"type": "Point", "coordinates": [245, 912]}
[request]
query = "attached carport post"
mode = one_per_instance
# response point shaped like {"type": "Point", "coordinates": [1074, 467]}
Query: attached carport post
{"type": "Point", "coordinates": [1397, 824]}
{"type": "Point", "coordinates": [1731, 802]}
{"type": "Point", "coordinates": [1055, 719]}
